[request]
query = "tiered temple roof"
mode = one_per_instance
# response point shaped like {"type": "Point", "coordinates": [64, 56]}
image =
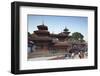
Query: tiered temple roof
{"type": "Point", "coordinates": [42, 37]}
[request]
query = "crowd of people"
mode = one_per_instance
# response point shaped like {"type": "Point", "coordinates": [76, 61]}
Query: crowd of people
{"type": "Point", "coordinates": [77, 51]}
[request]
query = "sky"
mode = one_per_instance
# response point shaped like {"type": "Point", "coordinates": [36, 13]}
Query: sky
{"type": "Point", "coordinates": [56, 24]}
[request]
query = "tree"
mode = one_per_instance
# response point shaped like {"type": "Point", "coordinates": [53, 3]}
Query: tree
{"type": "Point", "coordinates": [29, 34]}
{"type": "Point", "coordinates": [81, 36]}
{"type": "Point", "coordinates": [77, 36]}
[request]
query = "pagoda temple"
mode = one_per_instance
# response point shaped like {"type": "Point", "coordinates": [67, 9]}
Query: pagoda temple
{"type": "Point", "coordinates": [42, 43]}
{"type": "Point", "coordinates": [42, 38]}
{"type": "Point", "coordinates": [62, 43]}
{"type": "Point", "coordinates": [48, 42]}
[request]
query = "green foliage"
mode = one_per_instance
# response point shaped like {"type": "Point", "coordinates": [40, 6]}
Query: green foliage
{"type": "Point", "coordinates": [29, 34]}
{"type": "Point", "coordinates": [77, 36]}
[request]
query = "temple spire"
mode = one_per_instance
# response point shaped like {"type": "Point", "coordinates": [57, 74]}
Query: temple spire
{"type": "Point", "coordinates": [66, 30]}
{"type": "Point", "coordinates": [42, 22]}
